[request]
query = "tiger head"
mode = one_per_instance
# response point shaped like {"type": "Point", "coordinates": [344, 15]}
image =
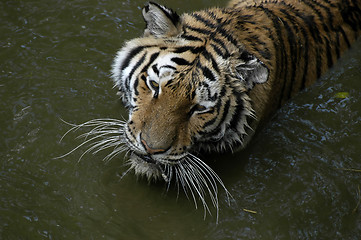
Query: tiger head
{"type": "Point", "coordinates": [185, 83]}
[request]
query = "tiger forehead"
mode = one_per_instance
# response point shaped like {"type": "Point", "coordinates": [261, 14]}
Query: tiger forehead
{"type": "Point", "coordinates": [181, 65]}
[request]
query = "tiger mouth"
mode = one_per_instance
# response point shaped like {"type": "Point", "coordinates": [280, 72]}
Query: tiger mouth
{"type": "Point", "coordinates": [145, 165]}
{"type": "Point", "coordinates": [154, 167]}
{"type": "Point", "coordinates": [146, 158]}
{"type": "Point", "coordinates": [185, 170]}
{"type": "Point", "coordinates": [151, 159]}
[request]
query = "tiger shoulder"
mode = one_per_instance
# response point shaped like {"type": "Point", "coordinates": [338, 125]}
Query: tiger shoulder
{"type": "Point", "coordinates": [297, 40]}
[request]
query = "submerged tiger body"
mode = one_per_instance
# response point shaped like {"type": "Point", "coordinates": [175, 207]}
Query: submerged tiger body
{"type": "Point", "coordinates": [205, 80]}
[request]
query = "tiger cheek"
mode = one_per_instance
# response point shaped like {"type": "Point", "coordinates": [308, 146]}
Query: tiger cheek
{"type": "Point", "coordinates": [197, 124]}
{"type": "Point", "coordinates": [135, 122]}
{"type": "Point", "coordinates": [142, 91]}
{"type": "Point", "coordinates": [183, 139]}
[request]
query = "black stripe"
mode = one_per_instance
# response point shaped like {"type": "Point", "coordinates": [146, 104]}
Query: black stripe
{"type": "Point", "coordinates": [293, 56]}
{"type": "Point", "coordinates": [194, 50]}
{"type": "Point", "coordinates": [237, 116]}
{"type": "Point", "coordinates": [200, 30]}
{"type": "Point", "coordinates": [225, 54]}
{"type": "Point", "coordinates": [351, 16]}
{"type": "Point", "coordinates": [216, 130]}
{"type": "Point", "coordinates": [222, 45]}
{"type": "Point", "coordinates": [168, 83]}
{"type": "Point", "coordinates": [345, 37]}
{"type": "Point", "coordinates": [182, 49]}
{"type": "Point", "coordinates": [306, 51]}
{"type": "Point", "coordinates": [126, 84]}
{"type": "Point", "coordinates": [265, 53]}
{"type": "Point", "coordinates": [135, 86]}
{"type": "Point", "coordinates": [329, 54]}
{"type": "Point", "coordinates": [217, 28]}
{"type": "Point", "coordinates": [209, 123]}
{"type": "Point", "coordinates": [198, 50]}
{"type": "Point", "coordinates": [330, 3]}
{"type": "Point", "coordinates": [330, 16]}
{"type": "Point", "coordinates": [140, 61]}
{"type": "Point", "coordinates": [151, 60]}
{"type": "Point", "coordinates": [193, 95]}
{"type": "Point", "coordinates": [305, 70]}
{"type": "Point", "coordinates": [180, 61]}
{"type": "Point", "coordinates": [216, 108]}
{"type": "Point", "coordinates": [168, 66]}
{"type": "Point", "coordinates": [210, 57]}
{"type": "Point", "coordinates": [218, 51]}
{"type": "Point", "coordinates": [224, 116]}
{"type": "Point", "coordinates": [191, 38]}
{"type": "Point", "coordinates": [283, 58]}
{"type": "Point", "coordinates": [313, 28]}
{"type": "Point", "coordinates": [326, 30]}
{"type": "Point", "coordinates": [208, 73]}
{"type": "Point", "coordinates": [294, 50]}
{"type": "Point", "coordinates": [306, 47]}
{"type": "Point", "coordinates": [155, 69]}
{"type": "Point", "coordinates": [225, 111]}
{"type": "Point", "coordinates": [205, 21]}
{"type": "Point", "coordinates": [312, 6]}
{"type": "Point", "coordinates": [328, 49]}
{"type": "Point", "coordinates": [214, 17]}
{"type": "Point", "coordinates": [227, 36]}
{"type": "Point", "coordinates": [131, 55]}
{"type": "Point", "coordinates": [319, 14]}
{"type": "Point", "coordinates": [338, 44]}
{"type": "Point", "coordinates": [222, 93]}
{"type": "Point", "coordinates": [259, 46]}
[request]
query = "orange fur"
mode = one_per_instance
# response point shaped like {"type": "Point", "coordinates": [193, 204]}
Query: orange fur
{"type": "Point", "coordinates": [228, 65]}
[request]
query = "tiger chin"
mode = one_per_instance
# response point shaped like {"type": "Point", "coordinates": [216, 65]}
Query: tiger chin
{"type": "Point", "coordinates": [204, 81]}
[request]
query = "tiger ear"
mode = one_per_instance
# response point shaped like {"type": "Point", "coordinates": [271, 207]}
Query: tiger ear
{"type": "Point", "coordinates": [251, 70]}
{"type": "Point", "coordinates": [161, 21]}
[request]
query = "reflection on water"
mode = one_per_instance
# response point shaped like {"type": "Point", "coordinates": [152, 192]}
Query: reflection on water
{"type": "Point", "coordinates": [297, 180]}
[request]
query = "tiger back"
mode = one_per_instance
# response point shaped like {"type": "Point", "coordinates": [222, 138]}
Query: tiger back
{"type": "Point", "coordinates": [298, 40]}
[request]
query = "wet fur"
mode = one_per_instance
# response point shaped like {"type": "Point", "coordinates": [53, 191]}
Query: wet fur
{"type": "Point", "coordinates": [205, 80]}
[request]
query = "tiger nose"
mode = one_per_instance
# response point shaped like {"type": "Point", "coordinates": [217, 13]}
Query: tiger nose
{"type": "Point", "coordinates": [151, 150]}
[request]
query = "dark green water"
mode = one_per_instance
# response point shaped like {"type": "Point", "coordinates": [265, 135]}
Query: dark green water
{"type": "Point", "coordinates": [55, 59]}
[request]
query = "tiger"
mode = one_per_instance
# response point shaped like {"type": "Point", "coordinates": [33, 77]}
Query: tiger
{"type": "Point", "coordinates": [205, 81]}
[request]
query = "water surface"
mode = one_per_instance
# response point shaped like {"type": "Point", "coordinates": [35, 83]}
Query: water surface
{"type": "Point", "coordinates": [293, 181]}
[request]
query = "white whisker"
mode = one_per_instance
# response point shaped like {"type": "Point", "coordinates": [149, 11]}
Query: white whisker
{"type": "Point", "coordinates": [213, 174]}
{"type": "Point", "coordinates": [198, 186]}
{"type": "Point", "coordinates": [124, 173]}
{"type": "Point", "coordinates": [188, 172]}
{"type": "Point", "coordinates": [105, 133]}
{"type": "Point", "coordinates": [184, 182]}
{"type": "Point", "coordinates": [115, 152]}
{"type": "Point", "coordinates": [169, 173]}
{"type": "Point", "coordinates": [205, 177]}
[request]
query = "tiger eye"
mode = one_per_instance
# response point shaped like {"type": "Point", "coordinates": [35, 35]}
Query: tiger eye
{"type": "Point", "coordinates": [199, 108]}
{"type": "Point", "coordinates": [196, 108]}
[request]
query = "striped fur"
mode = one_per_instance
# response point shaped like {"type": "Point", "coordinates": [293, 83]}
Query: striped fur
{"type": "Point", "coordinates": [205, 80]}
